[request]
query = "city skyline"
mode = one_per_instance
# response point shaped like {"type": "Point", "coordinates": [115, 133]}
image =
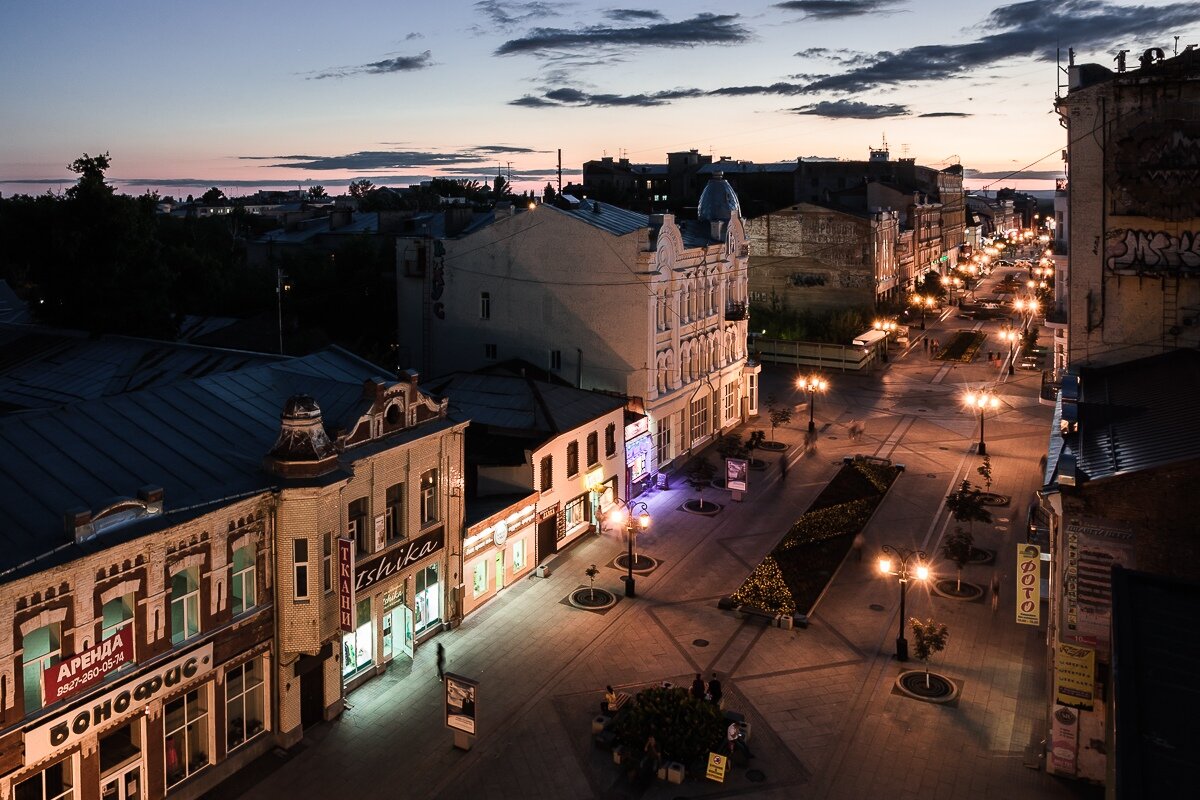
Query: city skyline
{"type": "Point", "coordinates": [244, 98]}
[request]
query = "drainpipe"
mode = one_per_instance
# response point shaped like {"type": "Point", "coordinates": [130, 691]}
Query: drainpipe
{"type": "Point", "coordinates": [579, 368]}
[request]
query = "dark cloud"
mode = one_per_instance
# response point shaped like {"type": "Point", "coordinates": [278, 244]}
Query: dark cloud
{"type": "Point", "coordinates": [577, 98]}
{"type": "Point", "coordinates": [412, 36]}
{"type": "Point", "coordinates": [841, 55]}
{"type": "Point", "coordinates": [504, 148]}
{"type": "Point", "coordinates": [836, 9]}
{"type": "Point", "coordinates": [508, 15]}
{"type": "Point", "coordinates": [1019, 30]}
{"type": "Point", "coordinates": [376, 160]}
{"type": "Point", "coordinates": [851, 109]}
{"type": "Point", "coordinates": [387, 65]}
{"type": "Point", "coordinates": [932, 114]}
{"type": "Point", "coordinates": [1025, 175]}
{"type": "Point", "coordinates": [700, 29]}
{"type": "Point", "coordinates": [633, 15]}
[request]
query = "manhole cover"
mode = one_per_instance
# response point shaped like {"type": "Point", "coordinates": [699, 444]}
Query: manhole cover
{"type": "Point", "coordinates": [930, 474]}
{"type": "Point", "coordinates": [875, 607]}
{"type": "Point", "coordinates": [1005, 519]}
{"type": "Point", "coordinates": [830, 437]}
{"type": "Point", "coordinates": [700, 642]}
{"type": "Point", "coordinates": [943, 448]}
{"type": "Point", "coordinates": [755, 775]}
{"type": "Point", "coordinates": [1001, 527]}
{"type": "Point", "coordinates": [922, 409]}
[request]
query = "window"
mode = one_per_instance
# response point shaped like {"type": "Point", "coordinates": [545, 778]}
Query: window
{"type": "Point", "coordinates": [489, 352]}
{"type": "Point", "coordinates": [327, 563]}
{"type": "Point", "coordinates": [357, 527]}
{"type": "Point", "coordinates": [243, 589]}
{"type": "Point", "coordinates": [730, 399]}
{"type": "Point", "coordinates": [572, 459]}
{"type": "Point", "coordinates": [245, 706]}
{"type": "Point", "coordinates": [485, 305]}
{"type": "Point", "coordinates": [518, 554]}
{"type": "Point", "coordinates": [43, 648]}
{"type": "Point", "coordinates": [576, 512]}
{"type": "Point", "coordinates": [429, 498]}
{"type": "Point", "coordinates": [185, 604]}
{"type": "Point", "coordinates": [610, 440]}
{"type": "Point", "coordinates": [428, 600]}
{"type": "Point", "coordinates": [556, 360]}
{"type": "Point", "coordinates": [186, 744]}
{"type": "Point", "coordinates": [662, 441]}
{"type": "Point", "coordinates": [547, 476]}
{"type": "Point", "coordinates": [300, 568]}
{"type": "Point", "coordinates": [53, 783]}
{"type": "Point", "coordinates": [358, 645]}
{"type": "Point", "coordinates": [593, 449]}
{"type": "Point", "coordinates": [479, 583]}
{"type": "Point", "coordinates": [393, 512]}
{"type": "Point", "coordinates": [116, 614]}
{"type": "Point", "coordinates": [699, 418]}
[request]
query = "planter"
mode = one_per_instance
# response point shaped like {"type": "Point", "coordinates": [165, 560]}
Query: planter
{"type": "Point", "coordinates": [758, 464]}
{"type": "Point", "coordinates": [951, 589]}
{"type": "Point", "coordinates": [641, 562]}
{"type": "Point", "coordinates": [981, 556]}
{"type": "Point", "coordinates": [708, 509]}
{"type": "Point", "coordinates": [592, 600]}
{"type": "Point", "coordinates": [993, 499]}
{"type": "Point", "coordinates": [777, 447]}
{"type": "Point", "coordinates": [911, 683]}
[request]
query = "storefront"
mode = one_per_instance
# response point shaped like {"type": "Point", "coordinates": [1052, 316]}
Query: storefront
{"type": "Point", "coordinates": [156, 732]}
{"type": "Point", "coordinates": [497, 551]}
{"type": "Point", "coordinates": [639, 456]}
{"type": "Point", "coordinates": [394, 603]}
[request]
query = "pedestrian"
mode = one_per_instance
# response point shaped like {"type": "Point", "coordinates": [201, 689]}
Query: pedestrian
{"type": "Point", "coordinates": [736, 741]}
{"type": "Point", "coordinates": [783, 464]}
{"type": "Point", "coordinates": [995, 592]}
{"type": "Point", "coordinates": [441, 662]}
{"type": "Point", "coordinates": [859, 541]}
{"type": "Point", "coordinates": [651, 757]}
{"type": "Point", "coordinates": [714, 690]}
{"type": "Point", "coordinates": [698, 689]}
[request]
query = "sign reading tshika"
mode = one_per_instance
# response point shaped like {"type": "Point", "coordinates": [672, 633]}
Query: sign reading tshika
{"type": "Point", "coordinates": [736, 470]}
{"type": "Point", "coordinates": [67, 729]}
{"type": "Point", "coordinates": [346, 585]}
{"type": "Point", "coordinates": [717, 764]}
{"type": "Point", "coordinates": [1029, 584]}
{"type": "Point", "coordinates": [84, 670]}
{"type": "Point", "coordinates": [1074, 675]}
{"type": "Point", "coordinates": [460, 702]}
{"type": "Point", "coordinates": [393, 561]}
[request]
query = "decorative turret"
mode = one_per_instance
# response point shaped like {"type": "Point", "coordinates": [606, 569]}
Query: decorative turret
{"type": "Point", "coordinates": [718, 205]}
{"type": "Point", "coordinates": [303, 449]}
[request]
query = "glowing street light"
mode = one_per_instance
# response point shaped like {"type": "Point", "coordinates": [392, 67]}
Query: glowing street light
{"type": "Point", "coordinates": [902, 571]}
{"type": "Point", "coordinates": [812, 384]}
{"type": "Point", "coordinates": [634, 515]}
{"type": "Point", "coordinates": [981, 401]}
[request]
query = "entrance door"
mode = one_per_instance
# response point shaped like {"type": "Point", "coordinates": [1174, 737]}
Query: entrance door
{"type": "Point", "coordinates": [312, 697]}
{"type": "Point", "coordinates": [406, 642]}
{"type": "Point", "coordinates": [547, 538]}
{"type": "Point", "coordinates": [500, 569]}
{"type": "Point", "coordinates": [125, 784]}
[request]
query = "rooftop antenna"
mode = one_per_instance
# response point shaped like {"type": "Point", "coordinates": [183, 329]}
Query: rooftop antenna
{"type": "Point", "coordinates": [904, 151]}
{"type": "Point", "coordinates": [560, 170]}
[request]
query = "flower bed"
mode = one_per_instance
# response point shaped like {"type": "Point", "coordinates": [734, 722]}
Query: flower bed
{"type": "Point", "coordinates": [963, 347]}
{"type": "Point", "coordinates": [794, 574]}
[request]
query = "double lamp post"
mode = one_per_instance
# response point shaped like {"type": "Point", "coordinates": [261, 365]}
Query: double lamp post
{"type": "Point", "coordinates": [634, 515]}
{"type": "Point", "coordinates": [899, 562]}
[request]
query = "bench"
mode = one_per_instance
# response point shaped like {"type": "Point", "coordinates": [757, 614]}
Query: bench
{"type": "Point", "coordinates": [753, 612]}
{"type": "Point", "coordinates": [622, 699]}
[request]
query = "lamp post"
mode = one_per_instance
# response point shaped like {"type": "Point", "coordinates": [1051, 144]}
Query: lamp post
{"type": "Point", "coordinates": [1027, 307]}
{"type": "Point", "coordinates": [1012, 337]}
{"type": "Point", "coordinates": [902, 571]}
{"type": "Point", "coordinates": [812, 384]}
{"type": "Point", "coordinates": [981, 400]}
{"type": "Point", "coordinates": [634, 515]}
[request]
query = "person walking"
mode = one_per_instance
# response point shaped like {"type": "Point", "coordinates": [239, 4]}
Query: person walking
{"type": "Point", "coordinates": [441, 662]}
{"type": "Point", "coordinates": [995, 592]}
{"type": "Point", "coordinates": [698, 689]}
{"type": "Point", "coordinates": [783, 465]}
{"type": "Point", "coordinates": [859, 541]}
{"type": "Point", "coordinates": [714, 690]}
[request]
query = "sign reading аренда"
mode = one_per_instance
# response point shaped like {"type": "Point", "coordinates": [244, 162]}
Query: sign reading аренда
{"type": "Point", "coordinates": [84, 670]}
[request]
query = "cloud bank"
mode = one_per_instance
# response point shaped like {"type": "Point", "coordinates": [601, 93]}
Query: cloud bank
{"type": "Point", "coordinates": [384, 67]}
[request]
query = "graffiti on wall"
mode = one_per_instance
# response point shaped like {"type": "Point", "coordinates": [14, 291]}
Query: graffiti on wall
{"type": "Point", "coordinates": [1152, 251]}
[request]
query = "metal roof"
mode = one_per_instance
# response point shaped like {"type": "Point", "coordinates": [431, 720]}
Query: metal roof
{"type": "Point", "coordinates": [201, 440]}
{"type": "Point", "coordinates": [45, 367]}
{"type": "Point", "coordinates": [1138, 415]}
{"type": "Point", "coordinates": [622, 222]}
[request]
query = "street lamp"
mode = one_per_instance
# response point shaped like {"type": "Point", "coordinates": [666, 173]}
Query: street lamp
{"type": "Point", "coordinates": [812, 384]}
{"type": "Point", "coordinates": [889, 327]}
{"type": "Point", "coordinates": [1012, 337]}
{"type": "Point", "coordinates": [981, 400]}
{"type": "Point", "coordinates": [1027, 306]}
{"type": "Point", "coordinates": [634, 515]}
{"type": "Point", "coordinates": [920, 571]}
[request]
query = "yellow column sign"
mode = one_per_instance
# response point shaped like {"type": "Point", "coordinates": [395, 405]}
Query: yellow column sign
{"type": "Point", "coordinates": [1029, 584]}
{"type": "Point", "coordinates": [717, 764]}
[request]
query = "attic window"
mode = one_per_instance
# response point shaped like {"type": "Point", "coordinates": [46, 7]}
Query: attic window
{"type": "Point", "coordinates": [392, 415]}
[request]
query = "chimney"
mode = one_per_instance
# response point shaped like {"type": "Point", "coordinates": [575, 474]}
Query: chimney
{"type": "Point", "coordinates": [79, 524]}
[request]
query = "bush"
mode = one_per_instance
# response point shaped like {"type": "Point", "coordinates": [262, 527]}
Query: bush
{"type": "Point", "coordinates": [685, 728]}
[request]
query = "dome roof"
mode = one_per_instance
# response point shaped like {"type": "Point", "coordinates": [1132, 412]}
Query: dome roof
{"type": "Point", "coordinates": [301, 405]}
{"type": "Point", "coordinates": [718, 201]}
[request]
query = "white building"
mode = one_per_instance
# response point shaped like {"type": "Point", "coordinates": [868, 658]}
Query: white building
{"type": "Point", "coordinates": [647, 306]}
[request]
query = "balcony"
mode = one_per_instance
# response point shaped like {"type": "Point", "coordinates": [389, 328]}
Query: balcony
{"type": "Point", "coordinates": [737, 311]}
{"type": "Point", "coordinates": [1056, 317]}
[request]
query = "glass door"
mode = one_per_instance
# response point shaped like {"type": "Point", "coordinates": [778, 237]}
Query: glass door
{"type": "Point", "coordinates": [125, 784]}
{"type": "Point", "coordinates": [499, 569]}
{"type": "Point", "coordinates": [387, 634]}
{"type": "Point", "coordinates": [407, 642]}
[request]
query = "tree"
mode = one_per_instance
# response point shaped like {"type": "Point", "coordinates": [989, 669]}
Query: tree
{"type": "Point", "coordinates": [90, 170]}
{"type": "Point", "coordinates": [966, 505]}
{"type": "Point", "coordinates": [548, 194]}
{"type": "Point", "coordinates": [213, 197]}
{"type": "Point", "coordinates": [360, 188]}
{"type": "Point", "coordinates": [957, 548]}
{"type": "Point", "coordinates": [931, 284]}
{"type": "Point", "coordinates": [700, 477]}
{"type": "Point", "coordinates": [730, 445]}
{"type": "Point", "coordinates": [754, 442]}
{"type": "Point", "coordinates": [317, 192]}
{"type": "Point", "coordinates": [779, 415]}
{"type": "Point", "coordinates": [985, 472]}
{"type": "Point", "coordinates": [591, 572]}
{"type": "Point", "coordinates": [501, 187]}
{"type": "Point", "coordinates": [929, 637]}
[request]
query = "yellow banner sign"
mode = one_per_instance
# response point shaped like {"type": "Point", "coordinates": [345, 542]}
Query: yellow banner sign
{"type": "Point", "coordinates": [717, 765]}
{"type": "Point", "coordinates": [1029, 584]}
{"type": "Point", "coordinates": [1074, 675]}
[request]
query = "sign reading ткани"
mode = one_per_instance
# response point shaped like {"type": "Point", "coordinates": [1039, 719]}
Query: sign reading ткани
{"type": "Point", "coordinates": [395, 560]}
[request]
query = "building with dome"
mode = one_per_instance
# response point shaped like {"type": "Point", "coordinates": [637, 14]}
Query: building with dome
{"type": "Point", "coordinates": [646, 306]}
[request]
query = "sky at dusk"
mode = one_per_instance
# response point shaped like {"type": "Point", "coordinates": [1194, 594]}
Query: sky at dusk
{"type": "Point", "coordinates": [243, 95]}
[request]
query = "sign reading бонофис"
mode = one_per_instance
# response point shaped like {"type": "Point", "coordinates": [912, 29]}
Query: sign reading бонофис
{"type": "Point", "coordinates": [68, 728]}
{"type": "Point", "coordinates": [393, 561]}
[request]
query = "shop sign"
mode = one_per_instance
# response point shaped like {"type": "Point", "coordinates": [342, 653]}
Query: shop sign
{"type": "Point", "coordinates": [1094, 547]}
{"type": "Point", "coordinates": [638, 456]}
{"type": "Point", "coordinates": [1029, 587]}
{"type": "Point", "coordinates": [393, 598]}
{"type": "Point", "coordinates": [346, 585]}
{"type": "Point", "coordinates": [637, 428]}
{"type": "Point", "coordinates": [717, 764]}
{"type": "Point", "coordinates": [84, 670]}
{"type": "Point", "coordinates": [1074, 675]}
{"type": "Point", "coordinates": [500, 534]}
{"type": "Point", "coordinates": [736, 470]}
{"type": "Point", "coordinates": [393, 561]}
{"type": "Point", "coordinates": [380, 531]}
{"type": "Point", "coordinates": [66, 730]}
{"type": "Point", "coordinates": [1064, 737]}
{"type": "Point", "coordinates": [460, 702]}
